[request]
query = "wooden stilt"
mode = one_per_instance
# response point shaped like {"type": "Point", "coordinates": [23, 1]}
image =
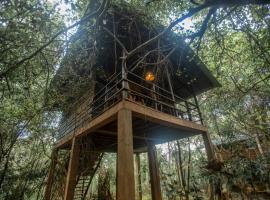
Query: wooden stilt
{"type": "Point", "coordinates": [138, 176]}
{"type": "Point", "coordinates": [72, 170]}
{"type": "Point", "coordinates": [125, 164]}
{"type": "Point", "coordinates": [51, 175]}
{"type": "Point", "coordinates": [208, 146]}
{"type": "Point", "coordinates": [154, 173]}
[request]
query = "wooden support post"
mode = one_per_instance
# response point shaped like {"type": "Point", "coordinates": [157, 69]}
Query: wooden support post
{"type": "Point", "coordinates": [72, 170]}
{"type": "Point", "coordinates": [138, 176]}
{"type": "Point", "coordinates": [49, 183]}
{"type": "Point", "coordinates": [154, 173]}
{"type": "Point", "coordinates": [208, 146]}
{"type": "Point", "coordinates": [125, 163]}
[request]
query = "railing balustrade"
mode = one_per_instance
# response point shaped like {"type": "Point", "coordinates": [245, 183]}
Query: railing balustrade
{"type": "Point", "coordinates": [139, 91]}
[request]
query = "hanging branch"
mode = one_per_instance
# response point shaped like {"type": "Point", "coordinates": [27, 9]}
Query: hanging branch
{"type": "Point", "coordinates": [116, 39]}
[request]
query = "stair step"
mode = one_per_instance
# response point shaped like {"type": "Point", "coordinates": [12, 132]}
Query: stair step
{"type": "Point", "coordinates": [90, 159]}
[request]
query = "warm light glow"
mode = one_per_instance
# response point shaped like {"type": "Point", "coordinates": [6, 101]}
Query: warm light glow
{"type": "Point", "coordinates": [149, 76]}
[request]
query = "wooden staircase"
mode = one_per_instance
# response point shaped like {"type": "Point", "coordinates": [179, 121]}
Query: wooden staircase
{"type": "Point", "coordinates": [88, 164]}
{"type": "Point", "coordinates": [82, 187]}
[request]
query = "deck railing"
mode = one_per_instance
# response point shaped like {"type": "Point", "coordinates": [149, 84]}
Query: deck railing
{"type": "Point", "coordinates": [136, 89]}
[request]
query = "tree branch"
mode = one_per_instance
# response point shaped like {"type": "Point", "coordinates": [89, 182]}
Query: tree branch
{"type": "Point", "coordinates": [116, 39]}
{"type": "Point", "coordinates": [83, 19]}
{"type": "Point", "coordinates": [229, 3]}
{"type": "Point", "coordinates": [166, 30]}
{"type": "Point", "coordinates": [203, 28]}
{"type": "Point", "coordinates": [214, 4]}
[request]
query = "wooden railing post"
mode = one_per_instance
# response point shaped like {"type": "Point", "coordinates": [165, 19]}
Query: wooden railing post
{"type": "Point", "coordinates": [72, 170]}
{"type": "Point", "coordinates": [49, 183]}
{"type": "Point", "coordinates": [154, 173]}
{"type": "Point", "coordinates": [125, 163]}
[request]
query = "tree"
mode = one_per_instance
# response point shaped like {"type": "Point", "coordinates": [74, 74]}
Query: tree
{"type": "Point", "coordinates": [232, 38]}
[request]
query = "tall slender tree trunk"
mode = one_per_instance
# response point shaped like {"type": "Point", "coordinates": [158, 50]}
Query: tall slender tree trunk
{"type": "Point", "coordinates": [188, 171]}
{"type": "Point", "coordinates": [138, 176]}
{"type": "Point", "coordinates": [181, 165]}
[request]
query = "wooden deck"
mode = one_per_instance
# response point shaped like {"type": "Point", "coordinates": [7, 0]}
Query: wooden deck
{"type": "Point", "coordinates": [148, 124]}
{"type": "Point", "coordinates": [126, 120]}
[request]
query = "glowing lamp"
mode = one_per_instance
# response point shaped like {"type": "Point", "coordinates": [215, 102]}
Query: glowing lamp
{"type": "Point", "coordinates": [149, 76]}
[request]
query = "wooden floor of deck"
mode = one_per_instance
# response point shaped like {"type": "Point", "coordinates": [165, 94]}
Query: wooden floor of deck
{"type": "Point", "coordinates": [148, 124]}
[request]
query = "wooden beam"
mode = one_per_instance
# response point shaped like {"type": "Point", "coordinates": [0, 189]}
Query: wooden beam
{"type": "Point", "coordinates": [138, 110]}
{"type": "Point", "coordinates": [156, 116]}
{"type": "Point", "coordinates": [125, 165]}
{"type": "Point", "coordinates": [66, 140]}
{"type": "Point", "coordinates": [72, 170]}
{"type": "Point", "coordinates": [49, 183]}
{"type": "Point", "coordinates": [208, 146]}
{"type": "Point", "coordinates": [92, 125]}
{"type": "Point", "coordinates": [154, 173]}
{"type": "Point", "coordinates": [106, 132]}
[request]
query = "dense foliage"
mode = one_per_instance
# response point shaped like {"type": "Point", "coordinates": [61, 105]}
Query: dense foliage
{"type": "Point", "coordinates": [233, 40]}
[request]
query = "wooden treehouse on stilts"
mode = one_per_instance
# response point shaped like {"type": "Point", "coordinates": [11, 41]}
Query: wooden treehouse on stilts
{"type": "Point", "coordinates": [129, 104]}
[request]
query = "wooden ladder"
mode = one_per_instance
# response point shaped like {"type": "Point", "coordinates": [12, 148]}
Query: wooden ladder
{"type": "Point", "coordinates": [82, 187]}
{"type": "Point", "coordinates": [88, 165]}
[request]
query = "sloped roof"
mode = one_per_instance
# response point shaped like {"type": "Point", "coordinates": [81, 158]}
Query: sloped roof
{"type": "Point", "coordinates": [91, 58]}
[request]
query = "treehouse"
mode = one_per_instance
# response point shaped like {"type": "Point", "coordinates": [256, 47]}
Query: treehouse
{"type": "Point", "coordinates": [116, 97]}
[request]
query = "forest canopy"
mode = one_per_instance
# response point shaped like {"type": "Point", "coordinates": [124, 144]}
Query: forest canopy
{"type": "Point", "coordinates": [231, 37]}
